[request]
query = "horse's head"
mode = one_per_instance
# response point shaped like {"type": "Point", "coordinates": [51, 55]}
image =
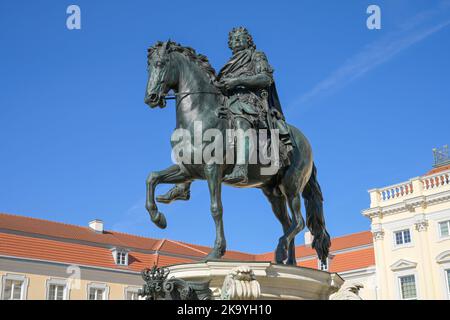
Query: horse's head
{"type": "Point", "coordinates": [164, 72]}
{"type": "Point", "coordinates": [158, 63]}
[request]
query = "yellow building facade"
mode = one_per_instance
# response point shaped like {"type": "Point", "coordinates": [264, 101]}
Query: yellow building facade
{"type": "Point", "coordinates": [40, 280]}
{"type": "Point", "coordinates": [410, 222]}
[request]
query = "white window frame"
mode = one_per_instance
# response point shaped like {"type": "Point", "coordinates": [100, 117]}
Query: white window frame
{"type": "Point", "coordinates": [15, 277]}
{"type": "Point", "coordinates": [122, 258]}
{"type": "Point", "coordinates": [400, 286]}
{"type": "Point", "coordinates": [132, 290]}
{"type": "Point", "coordinates": [101, 286]}
{"type": "Point", "coordinates": [116, 251]}
{"type": "Point", "coordinates": [404, 273]}
{"type": "Point", "coordinates": [403, 245]}
{"type": "Point", "coordinates": [58, 282]}
{"type": "Point", "coordinates": [447, 284]}
{"type": "Point", "coordinates": [443, 259]}
{"type": "Point", "coordinates": [438, 223]}
{"type": "Point", "coordinates": [319, 265]}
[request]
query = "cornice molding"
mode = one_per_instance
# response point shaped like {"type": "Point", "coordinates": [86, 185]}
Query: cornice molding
{"type": "Point", "coordinates": [443, 257]}
{"type": "Point", "coordinates": [403, 264]}
{"type": "Point", "coordinates": [407, 205]}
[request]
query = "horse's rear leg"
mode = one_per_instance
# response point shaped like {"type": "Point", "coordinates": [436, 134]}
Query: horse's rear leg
{"type": "Point", "coordinates": [213, 174]}
{"type": "Point", "coordinates": [292, 184]}
{"type": "Point", "coordinates": [287, 240]}
{"type": "Point", "coordinates": [278, 202]}
{"type": "Point", "coordinates": [173, 174]}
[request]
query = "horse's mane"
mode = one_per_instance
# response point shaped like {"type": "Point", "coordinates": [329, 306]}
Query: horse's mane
{"type": "Point", "coordinates": [201, 60]}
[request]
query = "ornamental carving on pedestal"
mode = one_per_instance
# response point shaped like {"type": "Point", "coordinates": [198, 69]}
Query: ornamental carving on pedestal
{"type": "Point", "coordinates": [158, 287]}
{"type": "Point", "coordinates": [348, 292]}
{"type": "Point", "coordinates": [241, 284]}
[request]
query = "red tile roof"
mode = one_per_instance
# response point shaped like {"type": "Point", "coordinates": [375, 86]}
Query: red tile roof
{"type": "Point", "coordinates": [33, 238]}
{"type": "Point", "coordinates": [73, 232]}
{"type": "Point", "coordinates": [353, 240]}
{"type": "Point", "coordinates": [66, 252]}
{"type": "Point", "coordinates": [352, 260]}
{"type": "Point", "coordinates": [346, 261]}
{"type": "Point", "coordinates": [349, 252]}
{"type": "Point", "coordinates": [438, 169]}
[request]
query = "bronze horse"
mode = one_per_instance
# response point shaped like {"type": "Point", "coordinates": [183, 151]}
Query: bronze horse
{"type": "Point", "coordinates": [174, 67]}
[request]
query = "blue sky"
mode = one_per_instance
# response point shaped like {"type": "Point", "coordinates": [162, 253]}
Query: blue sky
{"type": "Point", "coordinates": [77, 142]}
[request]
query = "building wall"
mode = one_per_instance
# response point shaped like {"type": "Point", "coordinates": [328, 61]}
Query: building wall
{"type": "Point", "coordinates": [419, 211]}
{"type": "Point", "coordinates": [38, 273]}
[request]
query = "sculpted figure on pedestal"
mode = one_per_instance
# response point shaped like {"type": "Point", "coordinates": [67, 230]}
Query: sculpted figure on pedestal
{"type": "Point", "coordinates": [241, 98]}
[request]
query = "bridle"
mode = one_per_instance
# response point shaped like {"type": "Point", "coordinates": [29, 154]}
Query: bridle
{"type": "Point", "coordinates": [184, 94]}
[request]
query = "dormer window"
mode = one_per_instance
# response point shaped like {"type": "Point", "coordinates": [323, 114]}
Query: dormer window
{"type": "Point", "coordinates": [120, 256]}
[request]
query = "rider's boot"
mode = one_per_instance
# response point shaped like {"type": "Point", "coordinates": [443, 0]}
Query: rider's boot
{"type": "Point", "coordinates": [178, 192]}
{"type": "Point", "coordinates": [239, 174]}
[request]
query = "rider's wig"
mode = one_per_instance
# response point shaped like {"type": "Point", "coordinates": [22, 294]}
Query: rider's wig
{"type": "Point", "coordinates": [245, 32]}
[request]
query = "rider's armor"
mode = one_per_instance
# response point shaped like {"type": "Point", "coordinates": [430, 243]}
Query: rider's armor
{"type": "Point", "coordinates": [253, 104]}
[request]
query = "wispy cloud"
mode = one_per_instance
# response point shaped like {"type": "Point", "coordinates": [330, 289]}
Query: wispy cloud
{"type": "Point", "coordinates": [376, 53]}
{"type": "Point", "coordinates": [132, 218]}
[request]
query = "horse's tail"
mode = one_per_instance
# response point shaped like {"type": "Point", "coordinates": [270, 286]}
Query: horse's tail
{"type": "Point", "coordinates": [314, 216]}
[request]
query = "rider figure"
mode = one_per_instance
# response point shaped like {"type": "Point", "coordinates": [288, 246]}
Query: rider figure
{"type": "Point", "coordinates": [246, 80]}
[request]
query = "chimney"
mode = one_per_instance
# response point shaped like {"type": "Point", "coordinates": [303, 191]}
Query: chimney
{"type": "Point", "coordinates": [308, 238]}
{"type": "Point", "coordinates": [96, 225]}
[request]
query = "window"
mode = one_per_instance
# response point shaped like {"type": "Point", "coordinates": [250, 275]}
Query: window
{"type": "Point", "coordinates": [132, 295]}
{"type": "Point", "coordinates": [444, 228]}
{"type": "Point", "coordinates": [402, 237]}
{"type": "Point", "coordinates": [408, 287]}
{"type": "Point", "coordinates": [448, 280]}
{"type": "Point", "coordinates": [57, 289]}
{"type": "Point", "coordinates": [56, 292]}
{"type": "Point", "coordinates": [323, 266]}
{"type": "Point", "coordinates": [12, 289]}
{"type": "Point", "coordinates": [96, 294]}
{"type": "Point", "coordinates": [97, 291]}
{"type": "Point", "coordinates": [120, 256]}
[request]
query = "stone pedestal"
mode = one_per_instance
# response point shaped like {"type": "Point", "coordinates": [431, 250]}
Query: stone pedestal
{"type": "Point", "coordinates": [236, 280]}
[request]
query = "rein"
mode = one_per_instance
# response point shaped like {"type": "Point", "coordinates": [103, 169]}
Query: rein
{"type": "Point", "coordinates": [184, 94]}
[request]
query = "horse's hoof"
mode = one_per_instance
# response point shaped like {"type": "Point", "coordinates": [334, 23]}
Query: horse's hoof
{"type": "Point", "coordinates": [280, 257]}
{"type": "Point", "coordinates": [291, 262]}
{"type": "Point", "coordinates": [281, 254]}
{"type": "Point", "coordinates": [213, 255]}
{"type": "Point", "coordinates": [160, 220]}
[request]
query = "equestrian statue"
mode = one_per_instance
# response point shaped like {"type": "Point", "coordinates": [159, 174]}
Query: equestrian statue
{"type": "Point", "coordinates": [242, 96]}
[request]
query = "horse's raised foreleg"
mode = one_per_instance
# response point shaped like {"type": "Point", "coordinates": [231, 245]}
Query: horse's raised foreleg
{"type": "Point", "coordinates": [213, 174]}
{"type": "Point", "coordinates": [278, 202]}
{"type": "Point", "coordinates": [173, 174]}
